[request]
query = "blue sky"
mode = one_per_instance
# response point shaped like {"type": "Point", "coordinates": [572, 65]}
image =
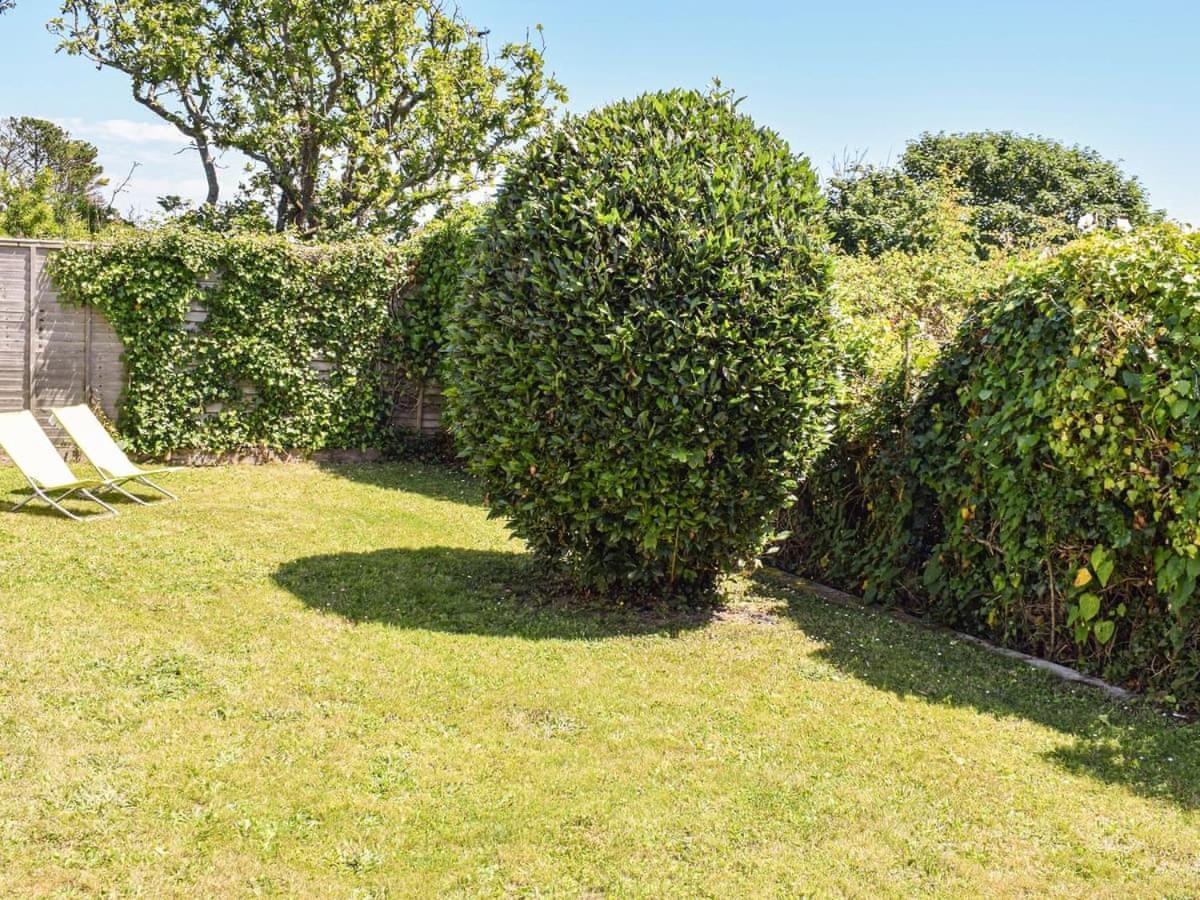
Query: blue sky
{"type": "Point", "coordinates": [1122, 77]}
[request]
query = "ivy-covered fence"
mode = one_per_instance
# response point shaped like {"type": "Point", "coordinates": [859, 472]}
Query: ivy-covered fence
{"type": "Point", "coordinates": [252, 342]}
{"type": "Point", "coordinates": [1043, 488]}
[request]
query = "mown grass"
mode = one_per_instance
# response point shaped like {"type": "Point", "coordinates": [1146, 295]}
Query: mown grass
{"type": "Point", "coordinates": [339, 682]}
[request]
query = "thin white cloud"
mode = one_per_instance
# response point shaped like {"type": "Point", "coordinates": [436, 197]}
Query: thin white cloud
{"type": "Point", "coordinates": [124, 131]}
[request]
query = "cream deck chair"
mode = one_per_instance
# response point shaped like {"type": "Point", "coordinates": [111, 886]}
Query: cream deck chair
{"type": "Point", "coordinates": [102, 452]}
{"type": "Point", "coordinates": [31, 451]}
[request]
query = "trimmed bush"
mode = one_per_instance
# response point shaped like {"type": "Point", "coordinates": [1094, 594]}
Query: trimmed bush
{"type": "Point", "coordinates": [643, 364]}
{"type": "Point", "coordinates": [1044, 487]}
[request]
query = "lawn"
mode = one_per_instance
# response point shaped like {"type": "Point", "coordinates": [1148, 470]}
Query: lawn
{"type": "Point", "coordinates": [344, 681]}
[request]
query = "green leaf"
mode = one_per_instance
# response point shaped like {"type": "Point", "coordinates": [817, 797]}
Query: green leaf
{"type": "Point", "coordinates": [1089, 606]}
{"type": "Point", "coordinates": [1102, 565]}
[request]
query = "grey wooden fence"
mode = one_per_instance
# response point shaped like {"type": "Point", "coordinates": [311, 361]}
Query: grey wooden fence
{"type": "Point", "coordinates": [53, 354]}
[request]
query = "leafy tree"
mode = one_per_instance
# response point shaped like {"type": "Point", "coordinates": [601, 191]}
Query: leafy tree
{"type": "Point", "coordinates": [1022, 189]}
{"type": "Point", "coordinates": [168, 50]}
{"type": "Point", "coordinates": [875, 210]}
{"type": "Point", "coordinates": [27, 210]}
{"type": "Point", "coordinates": [1015, 192]}
{"type": "Point", "coordinates": [49, 181]}
{"type": "Point", "coordinates": [642, 365]}
{"type": "Point", "coordinates": [29, 146]}
{"type": "Point", "coordinates": [357, 113]}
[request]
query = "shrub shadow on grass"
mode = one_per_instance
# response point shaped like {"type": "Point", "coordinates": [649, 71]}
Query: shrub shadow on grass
{"type": "Point", "coordinates": [1131, 745]}
{"type": "Point", "coordinates": [460, 591]}
{"type": "Point", "coordinates": [432, 480]}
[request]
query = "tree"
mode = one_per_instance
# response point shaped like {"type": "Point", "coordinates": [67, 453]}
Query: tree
{"type": "Point", "coordinates": [1014, 192]}
{"type": "Point", "coordinates": [29, 146]}
{"type": "Point", "coordinates": [49, 181]}
{"type": "Point", "coordinates": [357, 113]}
{"type": "Point", "coordinates": [1022, 189]}
{"type": "Point", "coordinates": [642, 365]}
{"type": "Point", "coordinates": [168, 50]}
{"type": "Point", "coordinates": [876, 210]}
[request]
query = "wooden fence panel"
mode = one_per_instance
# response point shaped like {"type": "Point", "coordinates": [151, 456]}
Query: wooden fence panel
{"type": "Point", "coordinates": [51, 354]}
{"type": "Point", "coordinates": [14, 332]}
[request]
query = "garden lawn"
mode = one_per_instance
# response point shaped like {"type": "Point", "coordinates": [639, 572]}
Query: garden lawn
{"type": "Point", "coordinates": [342, 681]}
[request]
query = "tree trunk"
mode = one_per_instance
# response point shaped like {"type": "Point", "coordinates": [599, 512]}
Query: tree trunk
{"type": "Point", "coordinates": [210, 169]}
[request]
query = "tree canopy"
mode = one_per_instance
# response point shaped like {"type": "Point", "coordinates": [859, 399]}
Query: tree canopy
{"type": "Point", "coordinates": [356, 114]}
{"type": "Point", "coordinates": [49, 181]}
{"type": "Point", "coordinates": [1014, 191]}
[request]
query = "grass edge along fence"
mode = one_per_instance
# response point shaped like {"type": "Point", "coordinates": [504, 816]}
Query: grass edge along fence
{"type": "Point", "coordinates": [236, 342]}
{"type": "Point", "coordinates": [1042, 488]}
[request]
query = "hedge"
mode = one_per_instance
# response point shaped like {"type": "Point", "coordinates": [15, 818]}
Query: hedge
{"type": "Point", "coordinates": [1043, 487]}
{"type": "Point", "coordinates": [300, 347]}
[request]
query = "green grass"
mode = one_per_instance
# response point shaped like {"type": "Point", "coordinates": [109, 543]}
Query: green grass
{"type": "Point", "coordinates": [338, 682]}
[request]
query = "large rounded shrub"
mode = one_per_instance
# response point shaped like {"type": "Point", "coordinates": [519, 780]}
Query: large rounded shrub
{"type": "Point", "coordinates": [643, 364]}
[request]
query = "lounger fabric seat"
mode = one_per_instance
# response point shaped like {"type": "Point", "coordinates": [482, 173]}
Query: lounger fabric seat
{"type": "Point", "coordinates": [50, 478]}
{"type": "Point", "coordinates": [108, 459]}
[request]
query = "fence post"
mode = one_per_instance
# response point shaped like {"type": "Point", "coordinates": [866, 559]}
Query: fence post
{"type": "Point", "coordinates": [30, 329]}
{"type": "Point", "coordinates": [87, 355]}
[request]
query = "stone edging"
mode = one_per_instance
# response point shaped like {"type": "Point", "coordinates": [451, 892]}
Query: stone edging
{"type": "Point", "coordinates": [841, 598]}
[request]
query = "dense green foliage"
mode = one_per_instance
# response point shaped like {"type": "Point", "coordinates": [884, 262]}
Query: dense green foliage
{"type": "Point", "coordinates": [49, 182]}
{"type": "Point", "coordinates": [642, 364]}
{"type": "Point", "coordinates": [1022, 190]}
{"type": "Point", "coordinates": [1042, 486]}
{"type": "Point", "coordinates": [443, 254]}
{"type": "Point", "coordinates": [873, 211]}
{"type": "Point", "coordinates": [299, 348]}
{"type": "Point", "coordinates": [1013, 191]}
{"type": "Point", "coordinates": [357, 115]}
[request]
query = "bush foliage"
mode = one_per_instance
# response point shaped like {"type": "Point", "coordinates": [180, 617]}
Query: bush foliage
{"type": "Point", "coordinates": [1043, 484]}
{"type": "Point", "coordinates": [643, 362]}
{"type": "Point", "coordinates": [876, 210]}
{"type": "Point", "coordinates": [296, 348]}
{"type": "Point", "coordinates": [1014, 192]}
{"type": "Point", "coordinates": [1023, 190]}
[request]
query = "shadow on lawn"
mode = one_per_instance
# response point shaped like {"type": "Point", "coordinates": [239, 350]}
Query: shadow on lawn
{"type": "Point", "coordinates": [78, 505]}
{"type": "Point", "coordinates": [1136, 747]}
{"type": "Point", "coordinates": [432, 480]}
{"type": "Point", "coordinates": [461, 591]}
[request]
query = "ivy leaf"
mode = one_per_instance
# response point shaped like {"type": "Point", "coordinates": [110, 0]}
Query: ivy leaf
{"type": "Point", "coordinates": [1102, 563]}
{"type": "Point", "coordinates": [1089, 606]}
{"type": "Point", "coordinates": [1083, 577]}
{"type": "Point", "coordinates": [1104, 630]}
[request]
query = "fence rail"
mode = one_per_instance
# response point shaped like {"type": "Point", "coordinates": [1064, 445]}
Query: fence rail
{"type": "Point", "coordinates": [55, 354]}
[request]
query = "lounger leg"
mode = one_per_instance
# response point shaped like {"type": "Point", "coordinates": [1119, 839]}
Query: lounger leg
{"type": "Point", "coordinates": [24, 503]}
{"type": "Point", "coordinates": [62, 509]}
{"type": "Point", "coordinates": [150, 484]}
{"type": "Point", "coordinates": [120, 490]}
{"type": "Point", "coordinates": [96, 499]}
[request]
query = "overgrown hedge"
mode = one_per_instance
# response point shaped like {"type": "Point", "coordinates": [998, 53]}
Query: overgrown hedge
{"type": "Point", "coordinates": [366, 313]}
{"type": "Point", "coordinates": [1043, 486]}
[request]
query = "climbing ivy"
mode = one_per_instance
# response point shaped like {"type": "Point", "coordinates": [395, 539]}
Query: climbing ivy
{"type": "Point", "coordinates": [1043, 487]}
{"type": "Point", "coordinates": [253, 341]}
